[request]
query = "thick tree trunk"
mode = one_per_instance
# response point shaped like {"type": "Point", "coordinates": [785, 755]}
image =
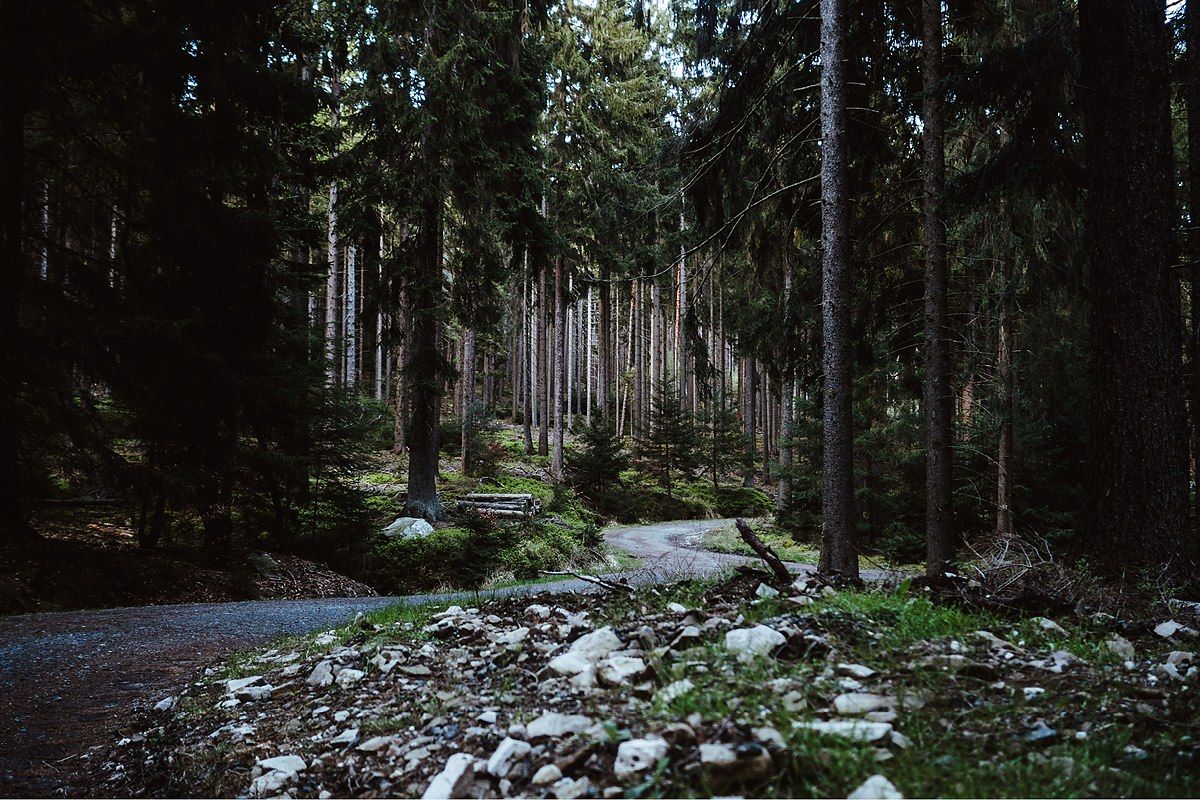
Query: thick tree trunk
{"type": "Point", "coordinates": [424, 373]}
{"type": "Point", "coordinates": [838, 554]}
{"type": "Point", "coordinates": [937, 398]}
{"type": "Point", "coordinates": [560, 365]}
{"type": "Point", "coordinates": [13, 37]}
{"type": "Point", "coordinates": [1136, 507]}
{"type": "Point", "coordinates": [1192, 99]}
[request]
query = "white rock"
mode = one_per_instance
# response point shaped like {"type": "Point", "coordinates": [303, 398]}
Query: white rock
{"type": "Point", "coordinates": [596, 645]}
{"type": "Point", "coordinates": [1032, 691]}
{"type": "Point", "coordinates": [515, 636]}
{"type": "Point", "coordinates": [537, 610]}
{"type": "Point", "coordinates": [1049, 625]}
{"type": "Point", "coordinates": [270, 783]}
{"type": "Point", "coordinates": [554, 724]}
{"type": "Point", "coordinates": [408, 527]}
{"type": "Point", "coordinates": [1170, 628]}
{"type": "Point", "coordinates": [454, 780]}
{"type": "Point", "coordinates": [752, 643]}
{"type": "Point", "coordinates": [348, 736]}
{"type": "Point", "coordinates": [856, 671]}
{"type": "Point", "coordinates": [638, 755]}
{"type": "Point", "coordinates": [288, 763]}
{"type": "Point", "coordinates": [616, 670]}
{"type": "Point", "coordinates": [546, 775]}
{"type": "Point", "coordinates": [569, 664]}
{"type": "Point", "coordinates": [237, 684]}
{"type": "Point", "coordinates": [1179, 657]}
{"type": "Point", "coordinates": [876, 787]}
{"type": "Point", "coordinates": [674, 690]}
{"type": "Point", "coordinates": [567, 789]}
{"type": "Point", "coordinates": [506, 755]}
{"type": "Point", "coordinates": [859, 730]}
{"type": "Point", "coordinates": [488, 717]}
{"type": "Point", "coordinates": [375, 744]}
{"type": "Point", "coordinates": [1120, 645]}
{"type": "Point", "coordinates": [349, 676]}
{"type": "Point", "coordinates": [854, 703]}
{"type": "Point", "coordinates": [677, 608]}
{"type": "Point", "coordinates": [763, 590]}
{"type": "Point", "coordinates": [166, 704]}
{"type": "Point", "coordinates": [717, 755]}
{"type": "Point", "coordinates": [322, 674]}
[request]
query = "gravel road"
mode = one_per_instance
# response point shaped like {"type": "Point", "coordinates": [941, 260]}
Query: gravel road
{"type": "Point", "coordinates": [73, 681]}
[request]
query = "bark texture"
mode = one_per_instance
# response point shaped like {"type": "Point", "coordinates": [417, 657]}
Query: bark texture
{"type": "Point", "coordinates": [1136, 504]}
{"type": "Point", "coordinates": [937, 399]}
{"type": "Point", "coordinates": [560, 365]}
{"type": "Point", "coordinates": [837, 548]}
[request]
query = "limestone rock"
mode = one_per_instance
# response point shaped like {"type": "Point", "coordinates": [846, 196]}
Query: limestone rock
{"type": "Point", "coordinates": [454, 780]}
{"type": "Point", "coordinates": [552, 724]}
{"type": "Point", "coordinates": [408, 527]}
{"type": "Point", "coordinates": [321, 675]}
{"type": "Point", "coordinates": [506, 755]}
{"type": "Point", "coordinates": [547, 775]}
{"type": "Point", "coordinates": [854, 703]}
{"type": "Point", "coordinates": [1120, 645]}
{"type": "Point", "coordinates": [752, 643]}
{"type": "Point", "coordinates": [638, 755]}
{"type": "Point", "coordinates": [859, 730]}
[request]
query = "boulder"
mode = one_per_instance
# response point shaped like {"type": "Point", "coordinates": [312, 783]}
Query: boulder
{"type": "Point", "coordinates": [408, 527]}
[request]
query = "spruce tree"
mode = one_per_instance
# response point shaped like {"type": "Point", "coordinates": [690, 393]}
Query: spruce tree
{"type": "Point", "coordinates": [670, 451]}
{"type": "Point", "coordinates": [595, 466]}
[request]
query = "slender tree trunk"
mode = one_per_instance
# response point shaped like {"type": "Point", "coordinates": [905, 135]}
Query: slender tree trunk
{"type": "Point", "coordinates": [401, 347]}
{"type": "Point", "coordinates": [468, 402]}
{"type": "Point", "coordinates": [543, 367]}
{"type": "Point", "coordinates": [379, 292]}
{"type": "Point", "coordinates": [13, 40]}
{"type": "Point", "coordinates": [785, 422]}
{"type": "Point", "coordinates": [681, 314]}
{"type": "Point", "coordinates": [749, 419]}
{"type": "Point", "coordinates": [937, 400]}
{"type": "Point", "coordinates": [1004, 382]}
{"type": "Point", "coordinates": [603, 345]}
{"type": "Point", "coordinates": [332, 284]}
{"type": "Point", "coordinates": [1136, 509]}
{"type": "Point", "coordinates": [588, 387]}
{"type": "Point", "coordinates": [531, 383]}
{"type": "Point", "coordinates": [352, 317]}
{"type": "Point", "coordinates": [838, 554]}
{"type": "Point", "coordinates": [560, 364]}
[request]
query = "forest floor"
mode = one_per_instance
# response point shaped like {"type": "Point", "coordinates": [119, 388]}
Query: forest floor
{"type": "Point", "coordinates": [729, 684]}
{"type": "Point", "coordinates": [71, 682]}
{"type": "Point", "coordinates": [88, 557]}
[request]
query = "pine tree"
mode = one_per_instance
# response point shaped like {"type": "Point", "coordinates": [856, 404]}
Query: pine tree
{"type": "Point", "coordinates": [671, 449]}
{"type": "Point", "coordinates": [595, 466]}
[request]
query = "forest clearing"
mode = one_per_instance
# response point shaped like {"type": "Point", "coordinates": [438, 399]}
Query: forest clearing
{"type": "Point", "coordinates": [599, 398]}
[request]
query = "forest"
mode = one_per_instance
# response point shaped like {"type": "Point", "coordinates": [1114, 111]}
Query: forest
{"type": "Point", "coordinates": [912, 285]}
{"type": "Point", "coordinates": [929, 292]}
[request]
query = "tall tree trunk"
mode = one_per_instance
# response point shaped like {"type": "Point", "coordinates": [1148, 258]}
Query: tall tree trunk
{"type": "Point", "coordinates": [467, 463]}
{"type": "Point", "coordinates": [530, 360]}
{"type": "Point", "coordinates": [1192, 99]}
{"type": "Point", "coordinates": [332, 284]}
{"type": "Point", "coordinates": [603, 345]}
{"type": "Point", "coordinates": [1136, 509]}
{"type": "Point", "coordinates": [13, 39]}
{"type": "Point", "coordinates": [749, 419]}
{"type": "Point", "coordinates": [937, 399]}
{"type": "Point", "coordinates": [786, 408]}
{"type": "Point", "coordinates": [838, 553]}
{"type": "Point", "coordinates": [401, 347]}
{"type": "Point", "coordinates": [352, 317]}
{"type": "Point", "coordinates": [543, 366]}
{"type": "Point", "coordinates": [560, 365]}
{"type": "Point", "coordinates": [1004, 382]}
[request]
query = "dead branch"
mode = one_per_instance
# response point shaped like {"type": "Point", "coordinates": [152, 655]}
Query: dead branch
{"type": "Point", "coordinates": [764, 552]}
{"type": "Point", "coordinates": [589, 579]}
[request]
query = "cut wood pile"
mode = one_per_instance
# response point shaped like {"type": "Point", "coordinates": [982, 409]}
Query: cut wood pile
{"type": "Point", "coordinates": [503, 506]}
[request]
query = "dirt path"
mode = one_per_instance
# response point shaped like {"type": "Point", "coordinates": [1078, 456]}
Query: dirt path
{"type": "Point", "coordinates": [73, 681]}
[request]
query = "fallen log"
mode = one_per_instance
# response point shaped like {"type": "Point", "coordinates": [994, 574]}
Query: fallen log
{"type": "Point", "coordinates": [764, 552]}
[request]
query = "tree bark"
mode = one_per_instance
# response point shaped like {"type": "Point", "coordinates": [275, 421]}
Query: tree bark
{"type": "Point", "coordinates": [838, 554]}
{"type": "Point", "coordinates": [937, 399]}
{"type": "Point", "coordinates": [467, 457]}
{"type": "Point", "coordinates": [351, 380]}
{"type": "Point", "coordinates": [560, 365]}
{"type": "Point", "coordinates": [1192, 100]}
{"type": "Point", "coordinates": [332, 284]}
{"type": "Point", "coordinates": [603, 345]}
{"type": "Point", "coordinates": [543, 367]}
{"type": "Point", "coordinates": [13, 39]}
{"type": "Point", "coordinates": [1004, 382]}
{"type": "Point", "coordinates": [1136, 507]}
{"type": "Point", "coordinates": [749, 421]}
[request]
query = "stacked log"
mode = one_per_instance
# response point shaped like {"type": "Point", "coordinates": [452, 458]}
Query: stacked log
{"type": "Point", "coordinates": [503, 506]}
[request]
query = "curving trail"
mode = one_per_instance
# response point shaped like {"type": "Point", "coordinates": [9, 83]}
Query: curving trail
{"type": "Point", "coordinates": [72, 681]}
